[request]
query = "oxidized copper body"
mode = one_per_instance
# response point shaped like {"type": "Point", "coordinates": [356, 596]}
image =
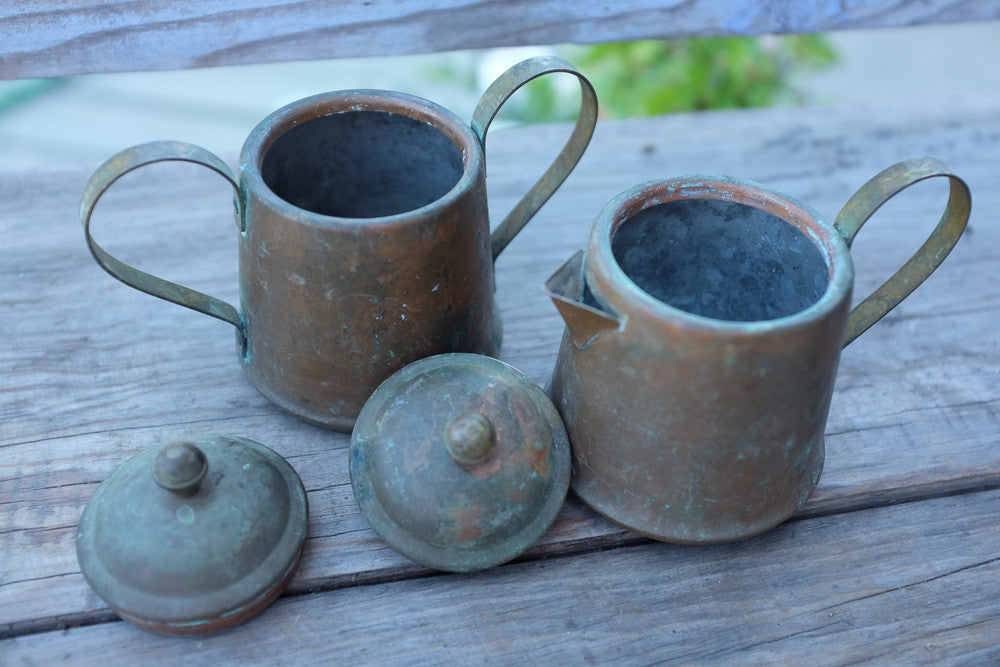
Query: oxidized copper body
{"type": "Point", "coordinates": [365, 239]}
{"type": "Point", "coordinates": [703, 421]}
{"type": "Point", "coordinates": [334, 305]}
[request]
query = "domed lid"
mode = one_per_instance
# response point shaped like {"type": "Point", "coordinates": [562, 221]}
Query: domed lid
{"type": "Point", "coordinates": [194, 537]}
{"type": "Point", "coordinates": [459, 462]}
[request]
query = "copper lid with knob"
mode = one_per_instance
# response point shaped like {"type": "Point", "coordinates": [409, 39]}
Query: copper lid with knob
{"type": "Point", "coordinates": [459, 461]}
{"type": "Point", "coordinates": [194, 537]}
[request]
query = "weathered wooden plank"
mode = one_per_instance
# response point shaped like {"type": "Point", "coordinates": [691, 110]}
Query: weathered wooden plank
{"type": "Point", "coordinates": [908, 584]}
{"type": "Point", "coordinates": [93, 371]}
{"type": "Point", "coordinates": [48, 38]}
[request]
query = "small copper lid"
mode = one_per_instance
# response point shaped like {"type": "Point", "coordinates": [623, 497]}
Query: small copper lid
{"type": "Point", "coordinates": [194, 537]}
{"type": "Point", "coordinates": [459, 462]}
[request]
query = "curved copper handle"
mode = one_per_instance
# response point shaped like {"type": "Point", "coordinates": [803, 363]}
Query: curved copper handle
{"type": "Point", "coordinates": [490, 103]}
{"type": "Point", "coordinates": [868, 199]}
{"type": "Point", "coordinates": [117, 166]}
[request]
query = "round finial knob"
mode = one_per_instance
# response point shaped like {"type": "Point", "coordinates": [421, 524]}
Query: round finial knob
{"type": "Point", "coordinates": [469, 437]}
{"type": "Point", "coordinates": [179, 467]}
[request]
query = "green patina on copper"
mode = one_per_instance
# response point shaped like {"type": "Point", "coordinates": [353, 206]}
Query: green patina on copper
{"type": "Point", "coordinates": [194, 537]}
{"type": "Point", "coordinates": [459, 462]}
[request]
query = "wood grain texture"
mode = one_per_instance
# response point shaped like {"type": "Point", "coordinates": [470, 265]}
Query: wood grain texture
{"type": "Point", "coordinates": [92, 371]}
{"type": "Point", "coordinates": [905, 585]}
{"type": "Point", "coordinates": [48, 38]}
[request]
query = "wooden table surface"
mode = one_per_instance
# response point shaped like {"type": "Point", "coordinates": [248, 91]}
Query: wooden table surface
{"type": "Point", "coordinates": [895, 557]}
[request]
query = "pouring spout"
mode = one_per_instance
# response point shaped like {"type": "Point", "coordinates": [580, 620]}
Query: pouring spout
{"type": "Point", "coordinates": [585, 322]}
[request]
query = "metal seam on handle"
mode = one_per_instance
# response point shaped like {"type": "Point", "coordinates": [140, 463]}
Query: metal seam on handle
{"type": "Point", "coordinates": [488, 107]}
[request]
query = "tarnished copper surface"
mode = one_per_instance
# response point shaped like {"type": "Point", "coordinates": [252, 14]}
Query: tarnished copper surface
{"type": "Point", "coordinates": [694, 428]}
{"type": "Point", "coordinates": [459, 462]}
{"type": "Point", "coordinates": [364, 239]}
{"type": "Point", "coordinates": [377, 293]}
{"type": "Point", "coordinates": [194, 537]}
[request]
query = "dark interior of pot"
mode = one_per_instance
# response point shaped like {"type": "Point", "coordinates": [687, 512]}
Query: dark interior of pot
{"type": "Point", "coordinates": [362, 164]}
{"type": "Point", "coordinates": [721, 259]}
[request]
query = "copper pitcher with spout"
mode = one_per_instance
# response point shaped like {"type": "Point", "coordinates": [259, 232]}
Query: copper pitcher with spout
{"type": "Point", "coordinates": [704, 325]}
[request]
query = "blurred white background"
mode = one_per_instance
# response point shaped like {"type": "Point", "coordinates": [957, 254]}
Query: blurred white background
{"type": "Point", "coordinates": [85, 119]}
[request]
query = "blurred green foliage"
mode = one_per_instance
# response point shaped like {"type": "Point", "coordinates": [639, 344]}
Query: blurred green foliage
{"type": "Point", "coordinates": [662, 76]}
{"type": "Point", "coordinates": [16, 93]}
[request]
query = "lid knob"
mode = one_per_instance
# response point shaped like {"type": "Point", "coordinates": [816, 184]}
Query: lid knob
{"type": "Point", "coordinates": [469, 437]}
{"type": "Point", "coordinates": [179, 468]}
{"type": "Point", "coordinates": [459, 461]}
